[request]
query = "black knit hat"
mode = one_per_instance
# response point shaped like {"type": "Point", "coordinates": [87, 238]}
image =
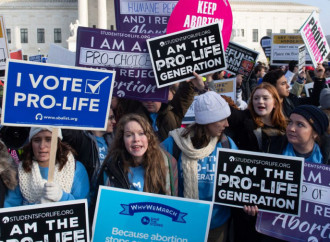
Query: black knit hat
{"type": "Point", "coordinates": [315, 116]}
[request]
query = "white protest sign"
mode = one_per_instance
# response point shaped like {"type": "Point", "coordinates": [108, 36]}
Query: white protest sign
{"type": "Point", "coordinates": [284, 49]}
{"type": "Point", "coordinates": [301, 58]}
{"type": "Point", "coordinates": [314, 38]}
{"type": "Point", "coordinates": [61, 56]}
{"type": "Point", "coordinates": [4, 53]}
{"type": "Point", "coordinates": [226, 87]}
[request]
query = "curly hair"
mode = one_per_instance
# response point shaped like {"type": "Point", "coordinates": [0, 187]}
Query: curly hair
{"type": "Point", "coordinates": [277, 118]}
{"type": "Point", "coordinates": [153, 161]}
{"type": "Point", "coordinates": [63, 150]}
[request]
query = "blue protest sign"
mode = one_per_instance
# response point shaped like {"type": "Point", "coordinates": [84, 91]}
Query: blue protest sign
{"type": "Point", "coordinates": [38, 94]}
{"type": "Point", "coordinates": [35, 58]}
{"type": "Point", "coordinates": [149, 217]}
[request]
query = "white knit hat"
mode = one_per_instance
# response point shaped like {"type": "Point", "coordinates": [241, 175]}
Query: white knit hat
{"type": "Point", "coordinates": [36, 130]}
{"type": "Point", "coordinates": [210, 107]}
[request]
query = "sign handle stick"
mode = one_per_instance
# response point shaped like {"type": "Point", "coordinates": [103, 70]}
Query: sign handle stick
{"type": "Point", "coordinates": [52, 158]}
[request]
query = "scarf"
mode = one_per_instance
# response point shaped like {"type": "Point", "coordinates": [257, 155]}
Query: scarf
{"type": "Point", "coordinates": [32, 184]}
{"type": "Point", "coordinates": [189, 158]}
{"type": "Point", "coordinates": [168, 181]}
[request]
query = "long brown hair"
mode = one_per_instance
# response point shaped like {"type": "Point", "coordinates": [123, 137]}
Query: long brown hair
{"type": "Point", "coordinates": [63, 150]}
{"type": "Point", "coordinates": [277, 118]}
{"type": "Point", "coordinates": [200, 138]}
{"type": "Point", "coordinates": [153, 161]}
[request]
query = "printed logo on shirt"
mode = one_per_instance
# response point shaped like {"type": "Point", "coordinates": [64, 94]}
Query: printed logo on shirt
{"type": "Point", "coordinates": [206, 169]}
{"type": "Point", "coordinates": [137, 185]}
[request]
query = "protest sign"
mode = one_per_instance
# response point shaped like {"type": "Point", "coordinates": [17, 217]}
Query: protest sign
{"type": "Point", "coordinates": [313, 224]}
{"type": "Point", "coordinates": [225, 87]}
{"type": "Point", "coordinates": [289, 76]}
{"type": "Point", "coordinates": [61, 56]}
{"type": "Point", "coordinates": [285, 49]}
{"type": "Point", "coordinates": [175, 56]}
{"type": "Point", "coordinates": [35, 58]}
{"type": "Point", "coordinates": [301, 58]}
{"type": "Point", "coordinates": [240, 60]}
{"type": "Point", "coordinates": [189, 116]}
{"type": "Point", "coordinates": [195, 13]}
{"type": "Point", "coordinates": [315, 40]}
{"type": "Point", "coordinates": [38, 94]}
{"type": "Point", "coordinates": [266, 44]}
{"type": "Point", "coordinates": [272, 182]}
{"type": "Point", "coordinates": [143, 16]}
{"type": "Point", "coordinates": [127, 54]}
{"type": "Point", "coordinates": [16, 54]}
{"type": "Point", "coordinates": [309, 88]}
{"type": "Point", "coordinates": [4, 53]}
{"type": "Point", "coordinates": [149, 217]}
{"type": "Point", "coordinates": [60, 221]}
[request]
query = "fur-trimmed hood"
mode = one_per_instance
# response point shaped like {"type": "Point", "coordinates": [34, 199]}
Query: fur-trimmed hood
{"type": "Point", "coordinates": [8, 170]}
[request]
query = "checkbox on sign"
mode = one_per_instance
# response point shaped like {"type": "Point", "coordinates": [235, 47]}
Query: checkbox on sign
{"type": "Point", "coordinates": [93, 86]}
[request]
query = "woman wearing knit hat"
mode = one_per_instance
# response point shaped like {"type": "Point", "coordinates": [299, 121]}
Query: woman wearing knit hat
{"type": "Point", "coordinates": [306, 124]}
{"type": "Point", "coordinates": [195, 149]}
{"type": "Point", "coordinates": [70, 176]}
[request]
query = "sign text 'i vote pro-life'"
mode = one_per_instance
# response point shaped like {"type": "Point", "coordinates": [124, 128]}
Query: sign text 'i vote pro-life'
{"type": "Point", "coordinates": [43, 94]}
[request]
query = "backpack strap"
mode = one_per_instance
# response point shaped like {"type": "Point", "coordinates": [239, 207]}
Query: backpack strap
{"type": "Point", "coordinates": [225, 141]}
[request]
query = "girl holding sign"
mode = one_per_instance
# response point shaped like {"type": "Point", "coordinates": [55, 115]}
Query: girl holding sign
{"type": "Point", "coordinates": [253, 130]}
{"type": "Point", "coordinates": [196, 151]}
{"type": "Point", "coordinates": [136, 161]}
{"type": "Point", "coordinates": [306, 124]}
{"type": "Point", "coordinates": [70, 176]}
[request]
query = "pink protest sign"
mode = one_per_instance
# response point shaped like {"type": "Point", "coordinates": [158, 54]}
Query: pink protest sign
{"type": "Point", "coordinates": [195, 13]}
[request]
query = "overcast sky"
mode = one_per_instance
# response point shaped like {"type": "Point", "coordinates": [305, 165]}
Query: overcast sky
{"type": "Point", "coordinates": [324, 6]}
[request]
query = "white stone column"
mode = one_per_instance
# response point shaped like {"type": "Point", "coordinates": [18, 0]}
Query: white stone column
{"type": "Point", "coordinates": [17, 38]}
{"type": "Point", "coordinates": [102, 14]}
{"type": "Point", "coordinates": [83, 12]}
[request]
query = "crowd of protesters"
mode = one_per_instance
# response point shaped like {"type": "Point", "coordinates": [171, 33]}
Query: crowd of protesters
{"type": "Point", "coordinates": [146, 148]}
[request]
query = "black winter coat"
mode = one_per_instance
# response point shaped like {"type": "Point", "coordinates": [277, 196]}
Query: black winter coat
{"type": "Point", "coordinates": [289, 103]}
{"type": "Point", "coordinates": [85, 144]}
{"type": "Point", "coordinates": [242, 131]}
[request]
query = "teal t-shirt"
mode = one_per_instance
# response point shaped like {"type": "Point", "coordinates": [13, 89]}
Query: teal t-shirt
{"type": "Point", "coordinates": [103, 148]}
{"type": "Point", "coordinates": [136, 178]}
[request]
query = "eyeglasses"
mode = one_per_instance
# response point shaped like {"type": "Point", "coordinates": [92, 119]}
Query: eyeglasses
{"type": "Point", "coordinates": [112, 117]}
